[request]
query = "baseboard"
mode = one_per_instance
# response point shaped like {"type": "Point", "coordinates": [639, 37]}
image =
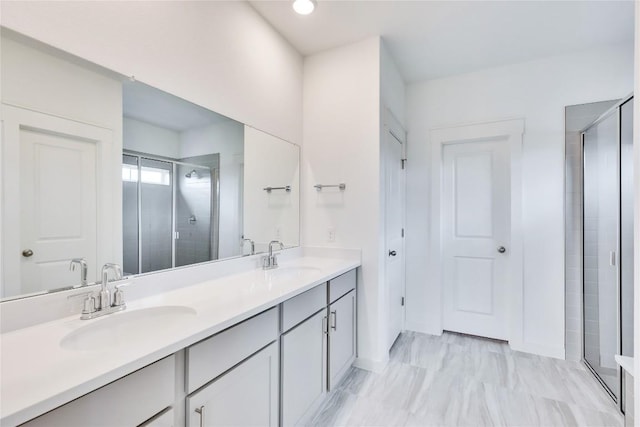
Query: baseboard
{"type": "Point", "coordinates": [370, 364]}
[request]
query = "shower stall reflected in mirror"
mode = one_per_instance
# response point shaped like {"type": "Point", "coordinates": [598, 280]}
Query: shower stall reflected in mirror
{"type": "Point", "coordinates": [170, 211]}
{"type": "Point", "coordinates": [607, 245]}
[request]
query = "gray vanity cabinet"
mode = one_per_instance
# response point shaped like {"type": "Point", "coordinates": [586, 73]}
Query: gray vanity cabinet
{"type": "Point", "coordinates": [233, 377]}
{"type": "Point", "coordinates": [129, 401]}
{"type": "Point", "coordinates": [304, 355]}
{"type": "Point", "coordinates": [317, 352]}
{"type": "Point", "coordinates": [247, 395]}
{"type": "Point", "coordinates": [342, 337]}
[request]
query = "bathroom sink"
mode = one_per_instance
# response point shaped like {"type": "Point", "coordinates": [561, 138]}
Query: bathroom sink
{"type": "Point", "coordinates": [285, 273]}
{"type": "Point", "coordinates": [127, 327]}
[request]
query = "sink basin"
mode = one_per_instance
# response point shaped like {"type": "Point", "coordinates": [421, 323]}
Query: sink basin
{"type": "Point", "coordinates": [285, 273]}
{"type": "Point", "coordinates": [124, 328]}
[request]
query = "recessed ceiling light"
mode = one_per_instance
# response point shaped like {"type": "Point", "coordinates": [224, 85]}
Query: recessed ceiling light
{"type": "Point", "coordinates": [304, 7]}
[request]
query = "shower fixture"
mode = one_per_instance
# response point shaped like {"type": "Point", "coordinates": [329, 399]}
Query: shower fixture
{"type": "Point", "coordinates": [192, 174]}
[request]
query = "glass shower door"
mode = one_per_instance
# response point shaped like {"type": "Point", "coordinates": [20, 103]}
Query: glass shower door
{"type": "Point", "coordinates": [600, 250]}
{"type": "Point", "coordinates": [130, 230]}
{"type": "Point", "coordinates": [194, 206]}
{"type": "Point", "coordinates": [626, 226]}
{"type": "Point", "coordinates": [156, 215]}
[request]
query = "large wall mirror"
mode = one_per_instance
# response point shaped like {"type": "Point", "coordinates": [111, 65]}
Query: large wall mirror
{"type": "Point", "coordinates": [98, 168]}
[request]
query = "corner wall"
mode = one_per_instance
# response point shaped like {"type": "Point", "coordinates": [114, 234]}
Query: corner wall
{"type": "Point", "coordinates": [537, 91]}
{"type": "Point", "coordinates": [341, 132]}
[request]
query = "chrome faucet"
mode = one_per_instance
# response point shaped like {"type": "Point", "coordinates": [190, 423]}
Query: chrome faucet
{"type": "Point", "coordinates": [253, 245]}
{"type": "Point", "coordinates": [104, 305]}
{"type": "Point", "coordinates": [270, 261]}
{"type": "Point", "coordinates": [104, 300]}
{"type": "Point", "coordinates": [83, 269]}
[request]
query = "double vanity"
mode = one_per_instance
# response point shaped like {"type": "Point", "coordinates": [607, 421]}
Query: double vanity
{"type": "Point", "coordinates": [126, 173]}
{"type": "Point", "coordinates": [249, 347]}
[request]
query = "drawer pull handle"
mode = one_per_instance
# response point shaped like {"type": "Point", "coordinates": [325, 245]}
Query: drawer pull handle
{"type": "Point", "coordinates": [200, 411]}
{"type": "Point", "coordinates": [334, 322]}
{"type": "Point", "coordinates": [325, 329]}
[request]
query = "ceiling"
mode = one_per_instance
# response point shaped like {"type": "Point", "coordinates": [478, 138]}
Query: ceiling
{"type": "Point", "coordinates": [153, 106]}
{"type": "Point", "coordinates": [431, 39]}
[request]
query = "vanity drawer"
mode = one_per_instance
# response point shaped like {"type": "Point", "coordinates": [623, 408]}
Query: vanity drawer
{"type": "Point", "coordinates": [163, 419]}
{"type": "Point", "coordinates": [300, 307]}
{"type": "Point", "coordinates": [128, 401]}
{"type": "Point", "coordinates": [209, 358]}
{"type": "Point", "coordinates": [341, 285]}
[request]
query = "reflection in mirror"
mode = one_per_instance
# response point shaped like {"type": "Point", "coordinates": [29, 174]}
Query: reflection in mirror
{"type": "Point", "coordinates": [101, 169]}
{"type": "Point", "coordinates": [181, 182]}
{"type": "Point", "coordinates": [271, 214]}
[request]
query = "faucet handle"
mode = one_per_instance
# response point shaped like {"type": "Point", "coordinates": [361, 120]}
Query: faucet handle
{"type": "Point", "coordinates": [118, 295]}
{"type": "Point", "coordinates": [89, 303]}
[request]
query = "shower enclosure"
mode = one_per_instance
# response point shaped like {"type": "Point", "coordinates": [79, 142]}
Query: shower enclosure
{"type": "Point", "coordinates": [169, 211]}
{"type": "Point", "coordinates": [607, 260]}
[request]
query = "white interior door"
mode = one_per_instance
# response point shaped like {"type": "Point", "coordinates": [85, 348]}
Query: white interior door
{"type": "Point", "coordinates": [58, 207]}
{"type": "Point", "coordinates": [394, 234]}
{"type": "Point", "coordinates": [57, 177]}
{"type": "Point", "coordinates": [475, 236]}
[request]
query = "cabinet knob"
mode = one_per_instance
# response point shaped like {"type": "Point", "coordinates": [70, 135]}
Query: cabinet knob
{"type": "Point", "coordinates": [392, 253]}
{"type": "Point", "coordinates": [27, 253]}
{"type": "Point", "coordinates": [502, 249]}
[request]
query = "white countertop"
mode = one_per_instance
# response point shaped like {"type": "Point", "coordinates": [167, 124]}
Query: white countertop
{"type": "Point", "coordinates": [626, 363]}
{"type": "Point", "coordinates": [38, 375]}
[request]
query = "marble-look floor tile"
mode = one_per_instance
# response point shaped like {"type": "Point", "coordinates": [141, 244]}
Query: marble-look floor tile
{"type": "Point", "coordinates": [335, 410]}
{"type": "Point", "coordinates": [456, 380]}
{"type": "Point", "coordinates": [370, 412]}
{"type": "Point", "coordinates": [356, 381]}
{"type": "Point", "coordinates": [397, 386]}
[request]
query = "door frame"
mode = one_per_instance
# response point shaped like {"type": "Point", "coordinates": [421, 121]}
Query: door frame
{"type": "Point", "coordinates": [392, 128]}
{"type": "Point", "coordinates": [108, 173]}
{"type": "Point", "coordinates": [512, 130]}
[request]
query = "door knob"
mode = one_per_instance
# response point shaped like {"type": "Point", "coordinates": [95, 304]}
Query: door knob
{"type": "Point", "coordinates": [392, 253]}
{"type": "Point", "coordinates": [27, 253]}
{"type": "Point", "coordinates": [502, 249]}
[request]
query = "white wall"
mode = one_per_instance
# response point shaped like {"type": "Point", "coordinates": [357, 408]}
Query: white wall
{"type": "Point", "coordinates": [341, 112]}
{"type": "Point", "coordinates": [227, 139]}
{"type": "Point", "coordinates": [392, 85]}
{"type": "Point", "coordinates": [270, 162]}
{"type": "Point", "coordinates": [538, 91]}
{"type": "Point", "coordinates": [220, 55]}
{"type": "Point", "coordinates": [144, 137]}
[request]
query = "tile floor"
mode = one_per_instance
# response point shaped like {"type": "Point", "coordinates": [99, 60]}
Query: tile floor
{"type": "Point", "coordinates": [457, 380]}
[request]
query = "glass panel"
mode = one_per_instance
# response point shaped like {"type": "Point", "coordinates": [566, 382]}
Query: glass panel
{"type": "Point", "coordinates": [626, 226]}
{"type": "Point", "coordinates": [156, 215]}
{"type": "Point", "coordinates": [130, 242]}
{"type": "Point", "coordinates": [193, 215]}
{"type": "Point", "coordinates": [600, 241]}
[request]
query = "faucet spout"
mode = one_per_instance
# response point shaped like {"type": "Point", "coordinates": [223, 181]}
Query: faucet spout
{"type": "Point", "coordinates": [253, 245]}
{"type": "Point", "coordinates": [104, 300]}
{"type": "Point", "coordinates": [276, 242]}
{"type": "Point", "coordinates": [83, 269]}
{"type": "Point", "coordinates": [271, 261]}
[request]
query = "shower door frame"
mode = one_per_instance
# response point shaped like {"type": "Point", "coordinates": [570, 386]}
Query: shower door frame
{"type": "Point", "coordinates": [215, 210]}
{"type": "Point", "coordinates": [615, 109]}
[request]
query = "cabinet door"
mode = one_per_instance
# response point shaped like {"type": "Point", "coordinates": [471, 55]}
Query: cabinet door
{"type": "Point", "coordinates": [342, 337]}
{"type": "Point", "coordinates": [304, 375]}
{"type": "Point", "coordinates": [247, 395]}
